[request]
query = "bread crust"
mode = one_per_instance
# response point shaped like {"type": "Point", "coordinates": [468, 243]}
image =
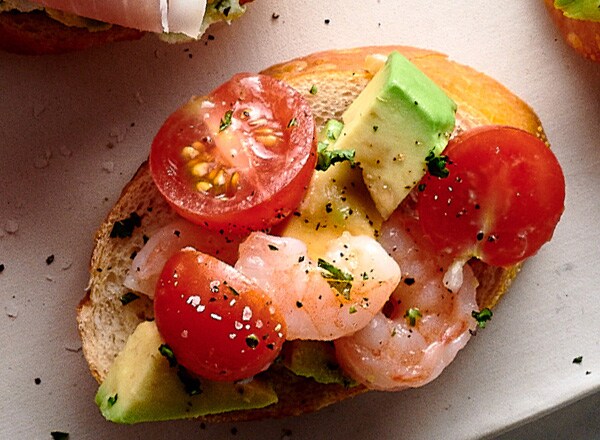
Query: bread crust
{"type": "Point", "coordinates": [581, 35]}
{"type": "Point", "coordinates": [34, 33]}
{"type": "Point", "coordinates": [480, 100]}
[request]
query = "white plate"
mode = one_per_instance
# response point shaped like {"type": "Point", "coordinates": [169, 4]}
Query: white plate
{"type": "Point", "coordinates": [74, 128]}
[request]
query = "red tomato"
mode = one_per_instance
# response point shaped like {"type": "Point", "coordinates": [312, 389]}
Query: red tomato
{"type": "Point", "coordinates": [239, 159]}
{"type": "Point", "coordinates": [501, 201]}
{"type": "Point", "coordinates": [219, 325]}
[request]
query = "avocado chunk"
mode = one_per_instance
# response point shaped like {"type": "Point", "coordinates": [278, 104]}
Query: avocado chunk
{"type": "Point", "coordinates": [579, 9]}
{"type": "Point", "coordinates": [316, 360]}
{"type": "Point", "coordinates": [336, 201]}
{"type": "Point", "coordinates": [141, 386]}
{"type": "Point", "coordinates": [393, 125]}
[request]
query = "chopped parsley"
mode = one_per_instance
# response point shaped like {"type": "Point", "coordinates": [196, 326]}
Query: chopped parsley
{"type": "Point", "coordinates": [336, 278]}
{"type": "Point", "coordinates": [166, 351]}
{"type": "Point", "coordinates": [578, 360]}
{"type": "Point", "coordinates": [293, 122]}
{"type": "Point", "coordinates": [124, 228]}
{"type": "Point", "coordinates": [436, 165]}
{"type": "Point", "coordinates": [273, 247]}
{"type": "Point", "coordinates": [252, 341]}
{"type": "Point", "coordinates": [326, 157]}
{"type": "Point", "coordinates": [112, 399]}
{"type": "Point", "coordinates": [191, 383]}
{"type": "Point", "coordinates": [226, 120]}
{"type": "Point", "coordinates": [313, 90]}
{"type": "Point", "coordinates": [128, 297]}
{"type": "Point", "coordinates": [482, 317]}
{"type": "Point", "coordinates": [412, 315]}
{"type": "Point", "coordinates": [327, 137]}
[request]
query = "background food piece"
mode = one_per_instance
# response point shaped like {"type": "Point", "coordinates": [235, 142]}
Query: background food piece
{"type": "Point", "coordinates": [35, 33]}
{"type": "Point", "coordinates": [581, 35]}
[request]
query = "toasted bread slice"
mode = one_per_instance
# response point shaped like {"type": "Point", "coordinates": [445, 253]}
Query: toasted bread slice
{"type": "Point", "coordinates": [339, 76]}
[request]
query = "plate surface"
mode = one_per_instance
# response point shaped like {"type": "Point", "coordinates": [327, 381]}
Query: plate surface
{"type": "Point", "coordinates": [74, 129]}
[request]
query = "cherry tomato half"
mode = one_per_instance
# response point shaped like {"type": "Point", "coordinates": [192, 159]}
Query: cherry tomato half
{"type": "Point", "coordinates": [501, 201]}
{"type": "Point", "coordinates": [219, 325]}
{"type": "Point", "coordinates": [239, 159]}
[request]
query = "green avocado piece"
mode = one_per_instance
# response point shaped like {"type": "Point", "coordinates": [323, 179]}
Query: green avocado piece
{"type": "Point", "coordinates": [141, 386]}
{"type": "Point", "coordinates": [315, 360]}
{"type": "Point", "coordinates": [396, 121]}
{"type": "Point", "coordinates": [579, 9]}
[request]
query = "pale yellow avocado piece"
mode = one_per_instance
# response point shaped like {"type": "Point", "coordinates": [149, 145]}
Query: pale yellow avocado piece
{"type": "Point", "coordinates": [396, 121]}
{"type": "Point", "coordinates": [336, 201]}
{"type": "Point", "coordinates": [141, 386]}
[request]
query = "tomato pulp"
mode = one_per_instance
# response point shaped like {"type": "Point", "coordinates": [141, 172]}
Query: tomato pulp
{"type": "Point", "coordinates": [218, 324]}
{"type": "Point", "coordinates": [239, 159]}
{"type": "Point", "coordinates": [501, 201]}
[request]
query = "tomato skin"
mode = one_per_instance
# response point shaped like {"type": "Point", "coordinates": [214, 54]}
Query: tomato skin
{"type": "Point", "coordinates": [502, 200]}
{"type": "Point", "coordinates": [219, 325]}
{"type": "Point", "coordinates": [255, 138]}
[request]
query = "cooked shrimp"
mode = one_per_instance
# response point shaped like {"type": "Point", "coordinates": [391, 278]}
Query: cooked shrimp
{"type": "Point", "coordinates": [183, 16]}
{"type": "Point", "coordinates": [150, 260]}
{"type": "Point", "coordinates": [426, 322]}
{"type": "Point", "coordinates": [333, 297]}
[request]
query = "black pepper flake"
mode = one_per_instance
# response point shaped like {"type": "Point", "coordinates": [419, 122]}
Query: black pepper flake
{"type": "Point", "coordinates": [327, 21]}
{"type": "Point", "coordinates": [50, 260]}
{"type": "Point", "coordinates": [409, 281]}
{"type": "Point", "coordinates": [234, 431]}
{"type": "Point", "coordinates": [124, 228]}
{"type": "Point", "coordinates": [133, 255]}
{"type": "Point", "coordinates": [275, 16]}
{"type": "Point", "coordinates": [37, 381]}
{"type": "Point", "coordinates": [252, 341]}
{"type": "Point", "coordinates": [2, 268]}
{"type": "Point", "coordinates": [299, 304]}
{"type": "Point", "coordinates": [59, 435]}
{"type": "Point", "coordinates": [578, 360]}
{"type": "Point", "coordinates": [128, 297]}
{"type": "Point", "coordinates": [211, 37]}
{"type": "Point", "coordinates": [273, 247]}
{"type": "Point", "coordinates": [328, 208]}
{"type": "Point", "coordinates": [300, 258]}
{"type": "Point", "coordinates": [479, 236]}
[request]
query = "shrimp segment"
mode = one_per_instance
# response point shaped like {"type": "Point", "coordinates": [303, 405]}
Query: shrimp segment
{"type": "Point", "coordinates": [424, 325]}
{"type": "Point", "coordinates": [150, 260]}
{"type": "Point", "coordinates": [317, 303]}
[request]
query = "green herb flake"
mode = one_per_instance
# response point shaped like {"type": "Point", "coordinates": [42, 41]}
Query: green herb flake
{"type": "Point", "coordinates": [226, 120]}
{"type": "Point", "coordinates": [293, 122]}
{"type": "Point", "coordinates": [412, 315]}
{"type": "Point", "coordinates": [313, 90]}
{"type": "Point", "coordinates": [352, 310]}
{"type": "Point", "coordinates": [112, 400]}
{"type": "Point", "coordinates": [124, 228]}
{"type": "Point", "coordinates": [578, 360]}
{"type": "Point", "coordinates": [273, 247]}
{"type": "Point", "coordinates": [336, 278]}
{"type": "Point", "coordinates": [191, 383]}
{"type": "Point", "coordinates": [128, 297]}
{"type": "Point", "coordinates": [482, 317]}
{"type": "Point", "coordinates": [436, 165]}
{"type": "Point", "coordinates": [326, 157]}
{"type": "Point", "coordinates": [252, 341]}
{"type": "Point", "coordinates": [167, 352]}
{"type": "Point", "coordinates": [59, 435]}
